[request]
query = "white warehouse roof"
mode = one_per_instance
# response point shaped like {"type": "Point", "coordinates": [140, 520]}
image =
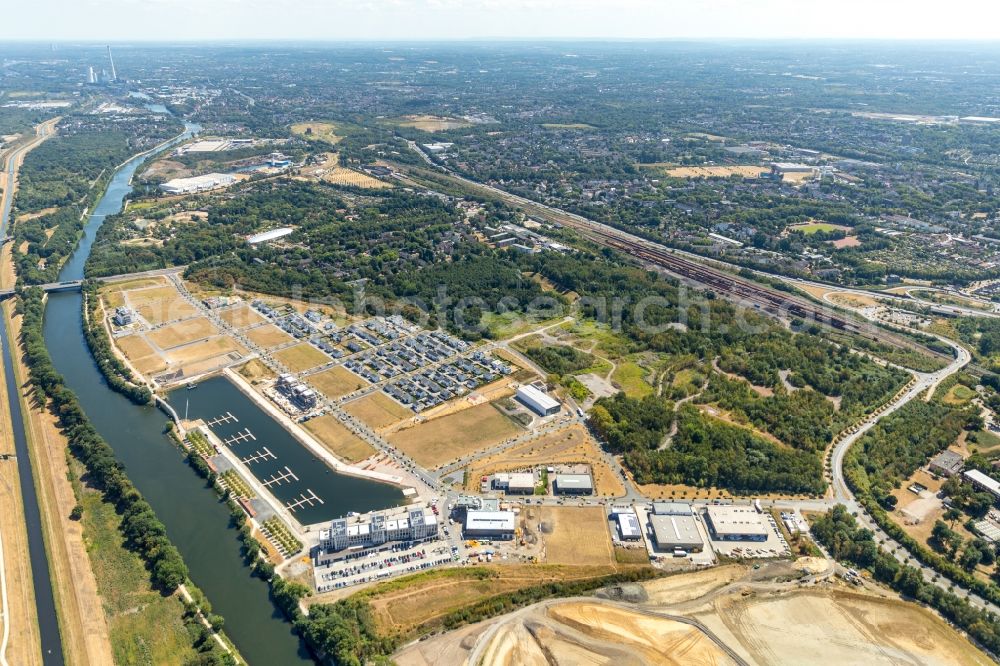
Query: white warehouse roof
{"type": "Point", "coordinates": [628, 525]}
{"type": "Point", "coordinates": [271, 235]}
{"type": "Point", "coordinates": [207, 181]}
{"type": "Point", "coordinates": [490, 520]}
{"type": "Point", "coordinates": [736, 521]}
{"type": "Point", "coordinates": [540, 399]}
{"type": "Point", "coordinates": [982, 480]}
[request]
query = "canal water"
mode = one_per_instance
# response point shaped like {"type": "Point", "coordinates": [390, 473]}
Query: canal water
{"type": "Point", "coordinates": [301, 481]}
{"type": "Point", "coordinates": [45, 607]}
{"type": "Point", "coordinates": [197, 523]}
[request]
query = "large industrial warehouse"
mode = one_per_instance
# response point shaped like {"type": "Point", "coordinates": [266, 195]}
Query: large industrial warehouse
{"type": "Point", "coordinates": [628, 526]}
{"type": "Point", "coordinates": [676, 533]}
{"type": "Point", "coordinates": [735, 523]}
{"type": "Point", "coordinates": [538, 401]}
{"type": "Point", "coordinates": [208, 181]}
{"type": "Point", "coordinates": [490, 524]}
{"type": "Point", "coordinates": [573, 484]}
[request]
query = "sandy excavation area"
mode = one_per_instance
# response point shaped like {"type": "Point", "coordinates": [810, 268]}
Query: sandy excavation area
{"type": "Point", "coordinates": [764, 622]}
{"type": "Point", "coordinates": [575, 632]}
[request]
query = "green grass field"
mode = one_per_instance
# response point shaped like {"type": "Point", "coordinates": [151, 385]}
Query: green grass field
{"type": "Point", "coordinates": [959, 394]}
{"type": "Point", "coordinates": [815, 227]}
{"type": "Point", "coordinates": [630, 376]}
{"type": "Point", "coordinates": [145, 626]}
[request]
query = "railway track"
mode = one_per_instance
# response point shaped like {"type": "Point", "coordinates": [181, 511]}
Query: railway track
{"type": "Point", "coordinates": [778, 303]}
{"type": "Point", "coordinates": [735, 288]}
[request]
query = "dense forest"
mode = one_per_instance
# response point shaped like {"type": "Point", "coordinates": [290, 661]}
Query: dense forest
{"type": "Point", "coordinates": [61, 179]}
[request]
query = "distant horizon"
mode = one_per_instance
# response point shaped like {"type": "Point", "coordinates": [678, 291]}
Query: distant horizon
{"type": "Point", "coordinates": [330, 42]}
{"type": "Point", "coordinates": [420, 21]}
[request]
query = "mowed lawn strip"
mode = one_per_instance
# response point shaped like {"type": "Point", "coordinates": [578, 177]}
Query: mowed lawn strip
{"type": "Point", "coordinates": [440, 440]}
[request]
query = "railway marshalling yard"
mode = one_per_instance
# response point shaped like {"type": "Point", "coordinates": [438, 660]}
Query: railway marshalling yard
{"type": "Point", "coordinates": [444, 450]}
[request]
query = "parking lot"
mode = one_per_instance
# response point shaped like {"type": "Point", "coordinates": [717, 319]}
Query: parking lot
{"type": "Point", "coordinates": [374, 564]}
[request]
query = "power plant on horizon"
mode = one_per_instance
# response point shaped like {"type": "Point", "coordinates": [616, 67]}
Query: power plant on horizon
{"type": "Point", "coordinates": [105, 77]}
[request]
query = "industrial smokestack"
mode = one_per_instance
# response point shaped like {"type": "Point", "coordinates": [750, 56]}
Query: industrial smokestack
{"type": "Point", "coordinates": [114, 74]}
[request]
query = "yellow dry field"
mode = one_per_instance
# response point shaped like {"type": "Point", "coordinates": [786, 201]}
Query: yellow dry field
{"type": "Point", "coordinates": [324, 131]}
{"type": "Point", "coordinates": [717, 172]}
{"type": "Point", "coordinates": [149, 365]}
{"type": "Point", "coordinates": [570, 445]}
{"type": "Point", "coordinates": [336, 382]}
{"type": "Point", "coordinates": [189, 356]}
{"type": "Point", "coordinates": [573, 534]}
{"type": "Point", "coordinates": [255, 371]}
{"type": "Point", "coordinates": [835, 627]}
{"type": "Point", "coordinates": [140, 354]}
{"type": "Point", "coordinates": [797, 177]}
{"type": "Point", "coordinates": [301, 357]}
{"type": "Point", "coordinates": [114, 293]}
{"type": "Point", "coordinates": [435, 442]}
{"type": "Point", "coordinates": [401, 607]}
{"type": "Point", "coordinates": [330, 171]}
{"type": "Point", "coordinates": [158, 305]}
{"type": "Point", "coordinates": [338, 440]}
{"type": "Point", "coordinates": [853, 300]}
{"type": "Point", "coordinates": [352, 178]}
{"type": "Point", "coordinates": [428, 123]}
{"type": "Point", "coordinates": [268, 336]}
{"type": "Point", "coordinates": [183, 332]}
{"type": "Point", "coordinates": [134, 346]}
{"type": "Point", "coordinates": [378, 410]}
{"type": "Point", "coordinates": [240, 316]}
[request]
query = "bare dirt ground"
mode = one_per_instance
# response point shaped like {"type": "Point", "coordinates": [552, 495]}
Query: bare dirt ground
{"type": "Point", "coordinates": [435, 442]}
{"type": "Point", "coordinates": [688, 586]}
{"type": "Point", "coordinates": [429, 123]}
{"type": "Point", "coordinates": [836, 627]}
{"type": "Point", "coordinates": [717, 172]}
{"type": "Point", "coordinates": [758, 618]}
{"type": "Point", "coordinates": [566, 446]}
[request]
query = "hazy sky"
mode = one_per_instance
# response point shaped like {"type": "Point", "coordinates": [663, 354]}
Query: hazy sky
{"type": "Point", "coordinates": [461, 19]}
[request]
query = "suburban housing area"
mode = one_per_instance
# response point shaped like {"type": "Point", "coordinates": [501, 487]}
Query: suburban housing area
{"type": "Point", "coordinates": [499, 354]}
